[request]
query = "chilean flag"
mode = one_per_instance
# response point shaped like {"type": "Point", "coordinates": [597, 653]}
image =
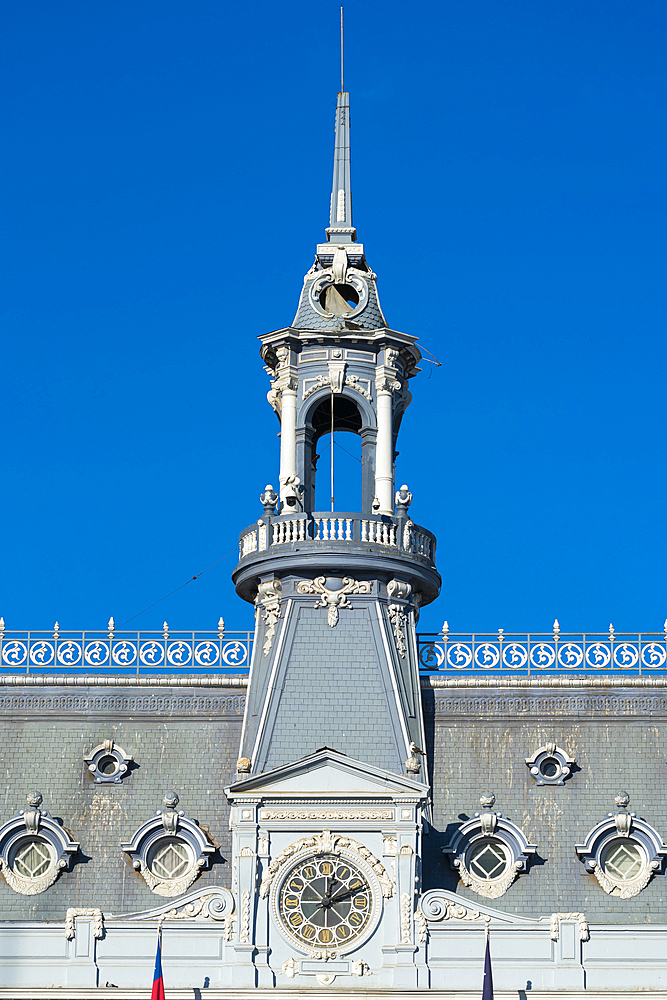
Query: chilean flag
{"type": "Point", "coordinates": [158, 982]}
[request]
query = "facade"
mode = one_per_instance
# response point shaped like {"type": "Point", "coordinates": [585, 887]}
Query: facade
{"type": "Point", "coordinates": [362, 806]}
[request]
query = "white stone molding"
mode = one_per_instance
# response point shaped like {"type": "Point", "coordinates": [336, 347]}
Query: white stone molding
{"type": "Point", "coordinates": [333, 599]}
{"type": "Point", "coordinates": [244, 931]}
{"type": "Point", "coordinates": [325, 843]}
{"type": "Point", "coordinates": [422, 926]}
{"type": "Point", "coordinates": [492, 890]}
{"type": "Point", "coordinates": [390, 846]}
{"type": "Point", "coordinates": [406, 914]}
{"type": "Point", "coordinates": [398, 620]}
{"type": "Point", "coordinates": [269, 594]}
{"type": "Point", "coordinates": [436, 906]}
{"type": "Point", "coordinates": [84, 911]}
{"type": "Point", "coordinates": [556, 918]}
{"type": "Point", "coordinates": [360, 968]}
{"type": "Point", "coordinates": [327, 814]}
{"type": "Point", "coordinates": [290, 968]}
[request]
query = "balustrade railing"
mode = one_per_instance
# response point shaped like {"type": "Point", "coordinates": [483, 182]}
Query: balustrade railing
{"type": "Point", "coordinates": [117, 652]}
{"type": "Point", "coordinates": [397, 533]}
{"type": "Point", "coordinates": [542, 652]}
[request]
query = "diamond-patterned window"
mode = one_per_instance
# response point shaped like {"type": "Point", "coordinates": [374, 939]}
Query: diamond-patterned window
{"type": "Point", "coordinates": [488, 860]}
{"type": "Point", "coordinates": [170, 859]}
{"type": "Point", "coordinates": [32, 858]}
{"type": "Point", "coordinates": [623, 861]}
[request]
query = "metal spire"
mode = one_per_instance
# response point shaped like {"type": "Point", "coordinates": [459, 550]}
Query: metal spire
{"type": "Point", "coordinates": [340, 228]}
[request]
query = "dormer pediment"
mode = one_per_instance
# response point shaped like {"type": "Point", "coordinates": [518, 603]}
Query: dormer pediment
{"type": "Point", "coordinates": [331, 774]}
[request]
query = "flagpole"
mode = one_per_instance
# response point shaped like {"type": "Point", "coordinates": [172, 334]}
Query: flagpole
{"type": "Point", "coordinates": [487, 981]}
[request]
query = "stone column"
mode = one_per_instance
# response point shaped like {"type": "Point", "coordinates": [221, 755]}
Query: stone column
{"type": "Point", "coordinates": [384, 449]}
{"type": "Point", "coordinates": [287, 436]}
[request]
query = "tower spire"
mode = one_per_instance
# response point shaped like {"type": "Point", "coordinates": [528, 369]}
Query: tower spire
{"type": "Point", "coordinates": [340, 228]}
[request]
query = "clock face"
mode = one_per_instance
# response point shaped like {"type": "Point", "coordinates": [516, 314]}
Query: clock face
{"type": "Point", "coordinates": [325, 901]}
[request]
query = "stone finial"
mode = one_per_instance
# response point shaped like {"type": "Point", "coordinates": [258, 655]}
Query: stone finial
{"type": "Point", "coordinates": [243, 765]}
{"type": "Point", "coordinates": [622, 800]}
{"type": "Point", "coordinates": [32, 815]}
{"type": "Point", "coordinates": [488, 820]}
{"type": "Point", "coordinates": [403, 500]}
{"type": "Point", "coordinates": [268, 499]}
{"type": "Point", "coordinates": [169, 815]}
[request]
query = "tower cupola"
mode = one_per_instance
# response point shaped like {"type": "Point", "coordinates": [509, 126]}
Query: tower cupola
{"type": "Point", "coordinates": [348, 584]}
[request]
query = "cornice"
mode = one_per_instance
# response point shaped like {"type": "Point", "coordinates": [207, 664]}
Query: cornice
{"type": "Point", "coordinates": [110, 681]}
{"type": "Point", "coordinates": [605, 682]}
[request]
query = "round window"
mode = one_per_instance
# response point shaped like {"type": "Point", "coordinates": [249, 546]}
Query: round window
{"type": "Point", "coordinates": [32, 857]}
{"type": "Point", "coordinates": [550, 767]}
{"type": "Point", "coordinates": [488, 860]}
{"type": "Point", "coordinates": [107, 765]}
{"type": "Point", "coordinates": [623, 861]}
{"type": "Point", "coordinates": [170, 858]}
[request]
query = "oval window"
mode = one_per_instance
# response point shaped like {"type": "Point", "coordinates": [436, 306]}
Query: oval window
{"type": "Point", "coordinates": [488, 860]}
{"type": "Point", "coordinates": [170, 858]}
{"type": "Point", "coordinates": [623, 861]}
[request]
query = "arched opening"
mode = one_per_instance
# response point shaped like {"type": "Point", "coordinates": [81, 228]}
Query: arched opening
{"type": "Point", "coordinates": [339, 299]}
{"type": "Point", "coordinates": [347, 425]}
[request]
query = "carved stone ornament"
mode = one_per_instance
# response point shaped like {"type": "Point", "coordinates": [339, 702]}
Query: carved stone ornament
{"type": "Point", "coordinates": [398, 619]}
{"type": "Point", "coordinates": [623, 851]}
{"type": "Point", "coordinates": [555, 921]}
{"type": "Point", "coordinates": [435, 906]}
{"type": "Point", "coordinates": [290, 968]}
{"type": "Point", "coordinates": [550, 765]}
{"type": "Point", "coordinates": [489, 851]}
{"type": "Point", "coordinates": [333, 599]}
{"type": "Point", "coordinates": [84, 911]}
{"type": "Point", "coordinates": [108, 763]}
{"type": "Point", "coordinates": [34, 849]}
{"type": "Point", "coordinates": [268, 499]}
{"type": "Point", "coordinates": [208, 903]}
{"type": "Point", "coordinates": [170, 849]}
{"type": "Point", "coordinates": [403, 500]}
{"type": "Point", "coordinates": [406, 918]}
{"type": "Point", "coordinates": [268, 597]}
{"type": "Point", "coordinates": [325, 843]}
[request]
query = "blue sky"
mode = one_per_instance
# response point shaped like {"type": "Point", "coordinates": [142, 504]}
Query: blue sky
{"type": "Point", "coordinates": [165, 179]}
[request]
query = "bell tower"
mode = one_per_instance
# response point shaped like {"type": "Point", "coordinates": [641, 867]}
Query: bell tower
{"type": "Point", "coordinates": [337, 593]}
{"type": "Point", "coordinates": [332, 791]}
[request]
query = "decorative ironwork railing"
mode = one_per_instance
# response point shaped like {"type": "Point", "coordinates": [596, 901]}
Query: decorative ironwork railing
{"type": "Point", "coordinates": [118, 652]}
{"type": "Point", "coordinates": [397, 533]}
{"type": "Point", "coordinates": [542, 652]}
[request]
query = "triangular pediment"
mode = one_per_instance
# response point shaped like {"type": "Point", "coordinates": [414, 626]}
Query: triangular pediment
{"type": "Point", "coordinates": [328, 772]}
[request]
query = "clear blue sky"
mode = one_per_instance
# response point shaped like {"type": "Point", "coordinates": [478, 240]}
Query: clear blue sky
{"type": "Point", "coordinates": [165, 178]}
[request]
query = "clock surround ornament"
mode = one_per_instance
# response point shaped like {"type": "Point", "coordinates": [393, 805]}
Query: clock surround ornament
{"type": "Point", "coordinates": [350, 883]}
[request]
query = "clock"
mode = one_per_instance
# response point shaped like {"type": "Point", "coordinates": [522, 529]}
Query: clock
{"type": "Point", "coordinates": [327, 902]}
